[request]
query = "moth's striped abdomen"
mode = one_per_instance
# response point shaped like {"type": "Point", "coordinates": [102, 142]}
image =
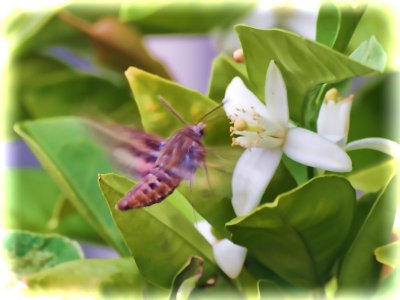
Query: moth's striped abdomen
{"type": "Point", "coordinates": [153, 188]}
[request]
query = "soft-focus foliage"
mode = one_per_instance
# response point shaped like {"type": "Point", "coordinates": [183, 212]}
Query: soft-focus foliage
{"type": "Point", "coordinates": [76, 71]}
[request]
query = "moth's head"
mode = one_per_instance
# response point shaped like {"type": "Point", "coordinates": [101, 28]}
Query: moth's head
{"type": "Point", "coordinates": [198, 129]}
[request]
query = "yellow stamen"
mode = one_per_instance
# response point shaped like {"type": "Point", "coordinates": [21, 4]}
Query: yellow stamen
{"type": "Point", "coordinates": [332, 94]}
{"type": "Point", "coordinates": [240, 124]}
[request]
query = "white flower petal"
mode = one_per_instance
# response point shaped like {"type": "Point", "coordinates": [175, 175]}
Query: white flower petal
{"type": "Point", "coordinates": [251, 176]}
{"type": "Point", "coordinates": [240, 101]}
{"type": "Point", "coordinates": [205, 229]}
{"type": "Point", "coordinates": [275, 95]}
{"type": "Point", "coordinates": [379, 144]}
{"type": "Point", "coordinates": [312, 150]}
{"type": "Point", "coordinates": [344, 117]}
{"type": "Point", "coordinates": [229, 257]}
{"type": "Point", "coordinates": [333, 120]}
{"type": "Point", "coordinates": [326, 118]}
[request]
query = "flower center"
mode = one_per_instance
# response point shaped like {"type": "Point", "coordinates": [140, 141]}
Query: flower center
{"type": "Point", "coordinates": [250, 129]}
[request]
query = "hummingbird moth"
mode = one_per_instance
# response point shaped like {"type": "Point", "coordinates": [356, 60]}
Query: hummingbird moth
{"type": "Point", "coordinates": [161, 163]}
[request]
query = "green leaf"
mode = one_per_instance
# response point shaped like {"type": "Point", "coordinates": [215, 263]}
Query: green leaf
{"type": "Point", "coordinates": [117, 277]}
{"type": "Point", "coordinates": [190, 104]}
{"type": "Point", "coordinates": [186, 282]}
{"type": "Point", "coordinates": [370, 53]}
{"type": "Point", "coordinates": [380, 21]}
{"type": "Point", "coordinates": [389, 254]}
{"type": "Point", "coordinates": [300, 234]}
{"type": "Point", "coordinates": [336, 24]}
{"type": "Point", "coordinates": [303, 63]}
{"type": "Point", "coordinates": [159, 237]}
{"type": "Point", "coordinates": [349, 20]}
{"type": "Point", "coordinates": [359, 271]}
{"type": "Point", "coordinates": [224, 69]}
{"type": "Point", "coordinates": [27, 252]}
{"type": "Point", "coordinates": [67, 150]}
{"type": "Point", "coordinates": [65, 91]}
{"type": "Point", "coordinates": [23, 195]}
{"type": "Point", "coordinates": [373, 104]}
{"type": "Point", "coordinates": [183, 16]}
{"type": "Point", "coordinates": [374, 178]}
{"type": "Point", "coordinates": [328, 24]}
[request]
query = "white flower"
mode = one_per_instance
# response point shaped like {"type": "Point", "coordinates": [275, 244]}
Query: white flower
{"type": "Point", "coordinates": [333, 124]}
{"type": "Point", "coordinates": [266, 132]}
{"type": "Point", "coordinates": [228, 256]}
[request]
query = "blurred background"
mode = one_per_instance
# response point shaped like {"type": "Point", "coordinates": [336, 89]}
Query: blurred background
{"type": "Point", "coordinates": [68, 58]}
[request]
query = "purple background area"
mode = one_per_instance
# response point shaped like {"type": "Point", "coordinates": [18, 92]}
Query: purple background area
{"type": "Point", "coordinates": [189, 58]}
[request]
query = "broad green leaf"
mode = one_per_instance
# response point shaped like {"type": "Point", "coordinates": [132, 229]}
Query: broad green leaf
{"type": "Point", "coordinates": [359, 271]}
{"type": "Point", "coordinates": [117, 277]}
{"type": "Point", "coordinates": [27, 253]}
{"type": "Point", "coordinates": [303, 63]}
{"type": "Point", "coordinates": [67, 150]}
{"type": "Point", "coordinates": [374, 178]}
{"type": "Point", "coordinates": [176, 16]}
{"type": "Point", "coordinates": [300, 234]}
{"type": "Point", "coordinates": [190, 104]}
{"type": "Point", "coordinates": [23, 195]}
{"type": "Point", "coordinates": [370, 53]}
{"type": "Point", "coordinates": [389, 254]}
{"type": "Point", "coordinates": [224, 69]}
{"type": "Point", "coordinates": [159, 237]}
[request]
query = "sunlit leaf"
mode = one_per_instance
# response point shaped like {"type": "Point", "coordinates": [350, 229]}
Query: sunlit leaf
{"type": "Point", "coordinates": [67, 150]}
{"type": "Point", "coordinates": [117, 277]}
{"type": "Point", "coordinates": [190, 104]}
{"type": "Point", "coordinates": [374, 178]}
{"type": "Point", "coordinates": [303, 63]}
{"type": "Point", "coordinates": [371, 54]}
{"type": "Point", "coordinates": [389, 254]}
{"type": "Point", "coordinates": [27, 252]}
{"type": "Point", "coordinates": [295, 236]}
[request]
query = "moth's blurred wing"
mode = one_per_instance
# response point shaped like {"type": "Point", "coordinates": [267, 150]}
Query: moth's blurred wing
{"type": "Point", "coordinates": [210, 192]}
{"type": "Point", "coordinates": [130, 150]}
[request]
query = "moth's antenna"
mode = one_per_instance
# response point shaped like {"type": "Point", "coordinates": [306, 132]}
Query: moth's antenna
{"type": "Point", "coordinates": [173, 111]}
{"type": "Point", "coordinates": [211, 111]}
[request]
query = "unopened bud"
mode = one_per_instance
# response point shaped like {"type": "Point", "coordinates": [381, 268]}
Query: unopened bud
{"type": "Point", "coordinates": [238, 55]}
{"type": "Point", "coordinates": [332, 94]}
